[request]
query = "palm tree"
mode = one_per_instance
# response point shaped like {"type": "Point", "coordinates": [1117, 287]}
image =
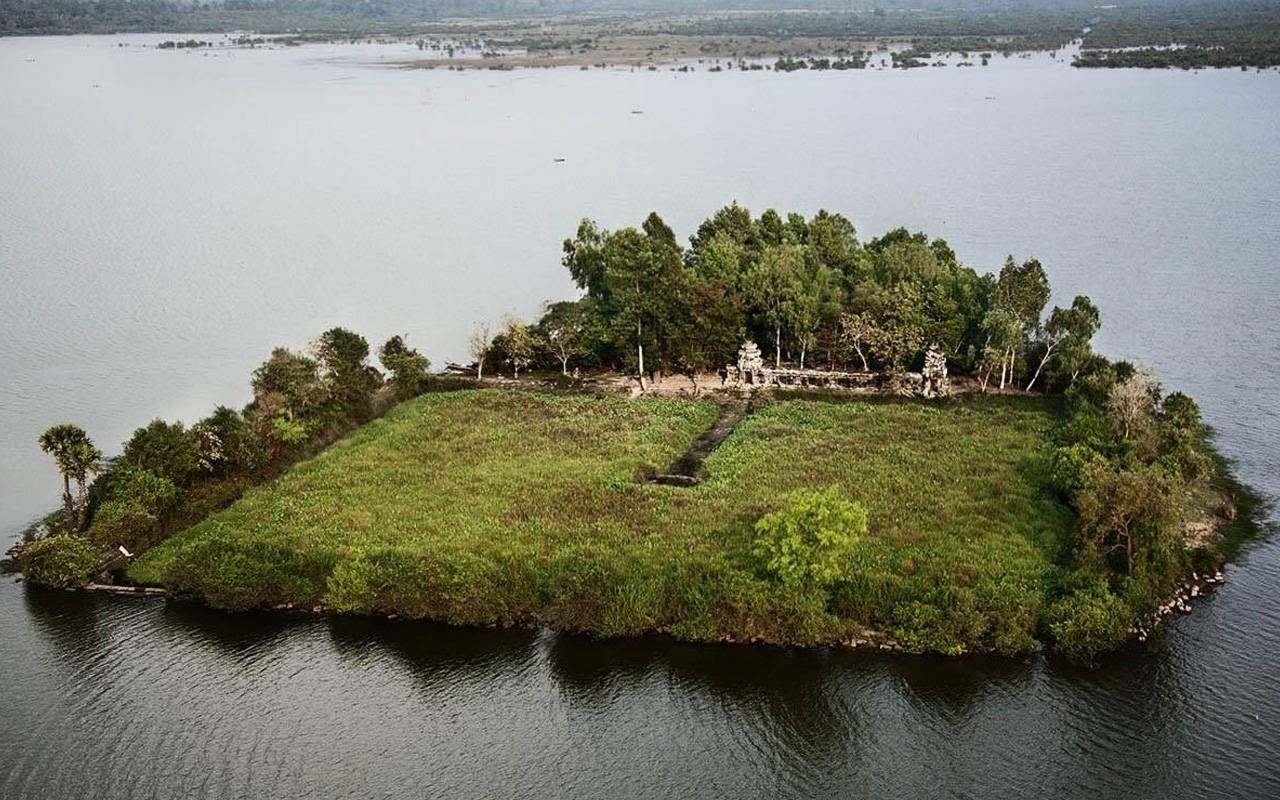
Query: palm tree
{"type": "Point", "coordinates": [76, 457]}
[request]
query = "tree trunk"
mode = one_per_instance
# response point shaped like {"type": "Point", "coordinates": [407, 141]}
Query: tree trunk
{"type": "Point", "coordinates": [67, 502]}
{"type": "Point", "coordinates": [777, 347]}
{"type": "Point", "coordinates": [644, 386]}
{"type": "Point", "coordinates": [564, 366]}
{"type": "Point", "coordinates": [1043, 361]}
{"type": "Point", "coordinates": [81, 501]}
{"type": "Point", "coordinates": [865, 368]}
{"type": "Point", "coordinates": [803, 349]}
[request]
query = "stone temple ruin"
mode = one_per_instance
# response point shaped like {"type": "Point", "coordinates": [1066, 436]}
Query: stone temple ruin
{"type": "Point", "coordinates": [933, 380]}
{"type": "Point", "coordinates": [752, 372]}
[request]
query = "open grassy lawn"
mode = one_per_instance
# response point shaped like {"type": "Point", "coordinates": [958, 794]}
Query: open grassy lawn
{"type": "Point", "coordinates": [493, 506]}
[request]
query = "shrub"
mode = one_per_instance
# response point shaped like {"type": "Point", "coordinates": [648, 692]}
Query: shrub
{"type": "Point", "coordinates": [1179, 433]}
{"type": "Point", "coordinates": [407, 366]}
{"type": "Point", "coordinates": [342, 355]}
{"type": "Point", "coordinates": [166, 450]}
{"type": "Point", "coordinates": [809, 542]}
{"type": "Point", "coordinates": [225, 442]}
{"type": "Point", "coordinates": [131, 515]}
{"type": "Point", "coordinates": [1128, 522]}
{"type": "Point", "coordinates": [59, 560]}
{"type": "Point", "coordinates": [1070, 467]}
{"type": "Point", "coordinates": [1088, 621]}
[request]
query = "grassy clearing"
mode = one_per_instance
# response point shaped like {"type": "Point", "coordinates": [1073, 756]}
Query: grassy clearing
{"type": "Point", "coordinates": [497, 507]}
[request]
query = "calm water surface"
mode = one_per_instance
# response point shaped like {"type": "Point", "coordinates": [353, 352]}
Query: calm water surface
{"type": "Point", "coordinates": [168, 217]}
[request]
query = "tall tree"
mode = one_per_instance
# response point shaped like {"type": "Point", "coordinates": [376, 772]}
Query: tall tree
{"type": "Point", "coordinates": [584, 258]}
{"type": "Point", "coordinates": [644, 271]}
{"type": "Point", "coordinates": [518, 344]}
{"type": "Point", "coordinates": [343, 357]}
{"type": "Point", "coordinates": [478, 346]}
{"type": "Point", "coordinates": [708, 330]}
{"type": "Point", "coordinates": [859, 331]}
{"type": "Point", "coordinates": [563, 328]}
{"type": "Point", "coordinates": [1069, 330]}
{"type": "Point", "coordinates": [1001, 335]}
{"type": "Point", "coordinates": [772, 287]}
{"type": "Point", "coordinates": [1021, 291]}
{"type": "Point", "coordinates": [76, 458]}
{"type": "Point", "coordinates": [816, 301]}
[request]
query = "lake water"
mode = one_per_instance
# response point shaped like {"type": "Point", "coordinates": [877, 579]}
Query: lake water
{"type": "Point", "coordinates": [166, 218]}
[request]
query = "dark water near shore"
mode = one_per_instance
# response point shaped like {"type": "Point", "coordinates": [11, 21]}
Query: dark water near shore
{"type": "Point", "coordinates": [166, 218]}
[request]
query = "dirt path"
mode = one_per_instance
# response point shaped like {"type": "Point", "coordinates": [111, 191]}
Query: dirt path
{"type": "Point", "coordinates": [684, 472]}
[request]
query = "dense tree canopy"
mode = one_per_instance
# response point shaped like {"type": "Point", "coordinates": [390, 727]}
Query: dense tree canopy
{"type": "Point", "coordinates": [811, 293]}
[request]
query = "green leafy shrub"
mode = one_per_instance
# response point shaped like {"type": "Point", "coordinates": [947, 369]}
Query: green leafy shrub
{"type": "Point", "coordinates": [131, 515]}
{"type": "Point", "coordinates": [808, 543]}
{"type": "Point", "coordinates": [225, 443]}
{"type": "Point", "coordinates": [407, 366]}
{"type": "Point", "coordinates": [59, 560]}
{"type": "Point", "coordinates": [1070, 466]}
{"type": "Point", "coordinates": [1089, 620]}
{"type": "Point", "coordinates": [167, 450]}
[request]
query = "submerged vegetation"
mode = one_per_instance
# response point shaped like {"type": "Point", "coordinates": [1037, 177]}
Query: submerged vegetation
{"type": "Point", "coordinates": [988, 522]}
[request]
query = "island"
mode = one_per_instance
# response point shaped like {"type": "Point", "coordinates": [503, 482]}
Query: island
{"type": "Point", "coordinates": [776, 433]}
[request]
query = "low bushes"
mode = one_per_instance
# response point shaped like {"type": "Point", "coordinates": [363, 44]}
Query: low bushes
{"type": "Point", "coordinates": [62, 560]}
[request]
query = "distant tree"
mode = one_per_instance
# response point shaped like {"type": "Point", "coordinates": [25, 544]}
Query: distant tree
{"type": "Point", "coordinates": [643, 270]}
{"type": "Point", "coordinates": [563, 328]}
{"type": "Point", "coordinates": [708, 330]}
{"type": "Point", "coordinates": [901, 324]}
{"type": "Point", "coordinates": [407, 366]}
{"type": "Point", "coordinates": [773, 231]}
{"type": "Point", "coordinates": [1002, 336]}
{"type": "Point", "coordinates": [1069, 330]}
{"type": "Point", "coordinates": [910, 259]}
{"type": "Point", "coordinates": [734, 223]}
{"type": "Point", "coordinates": [518, 344]}
{"type": "Point", "coordinates": [584, 258]}
{"type": "Point", "coordinates": [1180, 435]}
{"type": "Point", "coordinates": [77, 458]}
{"type": "Point", "coordinates": [478, 346]}
{"type": "Point", "coordinates": [773, 286]}
{"type": "Point", "coordinates": [132, 516]}
{"type": "Point", "coordinates": [832, 242]}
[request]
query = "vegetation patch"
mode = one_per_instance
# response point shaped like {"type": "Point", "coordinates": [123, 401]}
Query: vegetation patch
{"type": "Point", "coordinates": [503, 507]}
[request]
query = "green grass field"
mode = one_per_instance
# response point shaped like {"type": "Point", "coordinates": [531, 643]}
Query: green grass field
{"type": "Point", "coordinates": [499, 507]}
